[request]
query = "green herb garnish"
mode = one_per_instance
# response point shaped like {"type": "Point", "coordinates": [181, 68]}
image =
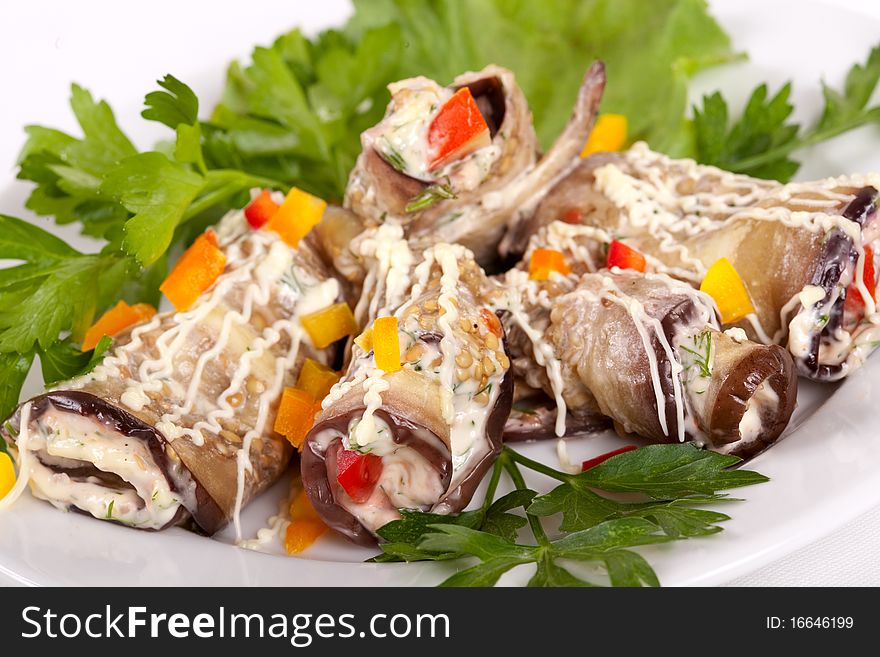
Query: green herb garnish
{"type": "Point", "coordinates": [110, 509]}
{"type": "Point", "coordinates": [762, 140]}
{"type": "Point", "coordinates": [672, 480]}
{"type": "Point", "coordinates": [702, 353]}
{"type": "Point", "coordinates": [432, 194]}
{"type": "Point", "coordinates": [393, 157]}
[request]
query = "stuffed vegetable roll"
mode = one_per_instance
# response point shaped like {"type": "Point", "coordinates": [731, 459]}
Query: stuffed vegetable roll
{"type": "Point", "coordinates": [458, 163]}
{"type": "Point", "coordinates": [175, 423]}
{"type": "Point", "coordinates": [804, 251]}
{"type": "Point", "coordinates": [417, 419]}
{"type": "Point", "coordinates": [646, 351]}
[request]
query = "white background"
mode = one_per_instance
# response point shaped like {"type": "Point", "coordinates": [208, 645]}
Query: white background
{"type": "Point", "coordinates": [118, 49]}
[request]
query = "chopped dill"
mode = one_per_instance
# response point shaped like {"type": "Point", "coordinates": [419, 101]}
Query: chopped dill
{"type": "Point", "coordinates": [431, 195]}
{"type": "Point", "coordinates": [393, 157]}
{"type": "Point", "coordinates": [703, 352]}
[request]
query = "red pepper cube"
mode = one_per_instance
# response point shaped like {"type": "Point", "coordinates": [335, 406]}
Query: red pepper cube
{"type": "Point", "coordinates": [457, 131]}
{"type": "Point", "coordinates": [358, 473]}
{"type": "Point", "coordinates": [625, 257]}
{"type": "Point", "coordinates": [260, 210]}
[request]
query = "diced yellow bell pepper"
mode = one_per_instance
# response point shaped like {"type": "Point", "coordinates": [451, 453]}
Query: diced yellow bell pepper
{"type": "Point", "coordinates": [7, 474]}
{"type": "Point", "coordinates": [296, 415]}
{"type": "Point", "coordinates": [544, 261]}
{"type": "Point", "coordinates": [299, 213]}
{"type": "Point", "coordinates": [608, 135]}
{"type": "Point", "coordinates": [316, 379]}
{"type": "Point", "coordinates": [724, 285]}
{"type": "Point", "coordinates": [365, 340]}
{"type": "Point", "coordinates": [330, 324]}
{"type": "Point", "coordinates": [386, 344]}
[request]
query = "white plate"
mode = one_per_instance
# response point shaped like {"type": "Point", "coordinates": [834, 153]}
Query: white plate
{"type": "Point", "coordinates": [823, 474]}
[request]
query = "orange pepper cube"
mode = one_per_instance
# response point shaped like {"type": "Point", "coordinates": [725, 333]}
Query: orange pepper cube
{"type": "Point", "coordinates": [723, 283]}
{"type": "Point", "coordinates": [302, 533]}
{"type": "Point", "coordinates": [316, 379]}
{"type": "Point", "coordinates": [115, 320]}
{"type": "Point", "coordinates": [329, 325]}
{"type": "Point", "coordinates": [544, 261]}
{"type": "Point", "coordinates": [386, 344]}
{"type": "Point", "coordinates": [195, 272]}
{"type": "Point", "coordinates": [299, 213]}
{"type": "Point", "coordinates": [296, 415]}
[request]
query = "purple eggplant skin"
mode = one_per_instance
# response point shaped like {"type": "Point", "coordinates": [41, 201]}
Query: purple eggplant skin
{"type": "Point", "coordinates": [315, 464]}
{"type": "Point", "coordinates": [838, 255]}
{"type": "Point", "coordinates": [210, 518]}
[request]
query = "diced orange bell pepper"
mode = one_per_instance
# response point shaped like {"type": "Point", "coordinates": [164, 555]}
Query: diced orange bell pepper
{"type": "Point", "coordinates": [316, 379]}
{"type": "Point", "coordinates": [195, 272]}
{"type": "Point", "coordinates": [305, 525]}
{"type": "Point", "coordinates": [608, 135]}
{"type": "Point", "coordinates": [330, 324]}
{"type": "Point", "coordinates": [724, 285]}
{"type": "Point", "coordinates": [546, 260]}
{"type": "Point", "coordinates": [301, 534]}
{"type": "Point", "coordinates": [386, 344]}
{"type": "Point", "coordinates": [7, 474]}
{"type": "Point", "coordinates": [260, 210]}
{"type": "Point", "coordinates": [458, 130]}
{"type": "Point", "coordinates": [299, 213]}
{"type": "Point", "coordinates": [296, 415]}
{"type": "Point", "coordinates": [492, 322]}
{"type": "Point", "coordinates": [625, 257]}
{"type": "Point", "coordinates": [118, 318]}
{"type": "Point", "coordinates": [854, 301]}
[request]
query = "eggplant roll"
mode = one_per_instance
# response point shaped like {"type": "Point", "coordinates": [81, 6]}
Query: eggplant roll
{"type": "Point", "coordinates": [428, 431]}
{"type": "Point", "coordinates": [646, 351]}
{"type": "Point", "coordinates": [799, 248]}
{"type": "Point", "coordinates": [176, 421]}
{"type": "Point", "coordinates": [470, 194]}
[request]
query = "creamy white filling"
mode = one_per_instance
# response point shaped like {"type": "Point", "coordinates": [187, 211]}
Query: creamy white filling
{"type": "Point", "coordinates": [148, 503]}
{"type": "Point", "coordinates": [763, 402]}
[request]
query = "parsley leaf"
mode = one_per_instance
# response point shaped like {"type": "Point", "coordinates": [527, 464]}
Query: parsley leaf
{"type": "Point", "coordinates": [595, 529]}
{"type": "Point", "coordinates": [158, 192]}
{"type": "Point", "coordinates": [14, 367]}
{"type": "Point", "coordinates": [761, 141]}
{"type": "Point", "coordinates": [63, 360]}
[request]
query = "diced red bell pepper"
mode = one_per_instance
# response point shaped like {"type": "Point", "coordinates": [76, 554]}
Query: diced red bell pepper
{"type": "Point", "coordinates": [457, 131]}
{"type": "Point", "coordinates": [593, 462]}
{"type": "Point", "coordinates": [491, 321]}
{"type": "Point", "coordinates": [358, 473]}
{"type": "Point", "coordinates": [573, 216]}
{"type": "Point", "coordinates": [260, 210]}
{"type": "Point", "coordinates": [625, 257]}
{"type": "Point", "coordinates": [854, 301]}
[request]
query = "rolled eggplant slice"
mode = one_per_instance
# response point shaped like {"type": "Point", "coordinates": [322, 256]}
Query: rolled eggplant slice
{"type": "Point", "coordinates": [638, 191]}
{"type": "Point", "coordinates": [649, 350]}
{"type": "Point", "coordinates": [799, 248]}
{"type": "Point", "coordinates": [646, 351]}
{"type": "Point", "coordinates": [403, 156]}
{"type": "Point", "coordinates": [176, 421]}
{"type": "Point", "coordinates": [428, 431]}
{"type": "Point", "coordinates": [470, 199]}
